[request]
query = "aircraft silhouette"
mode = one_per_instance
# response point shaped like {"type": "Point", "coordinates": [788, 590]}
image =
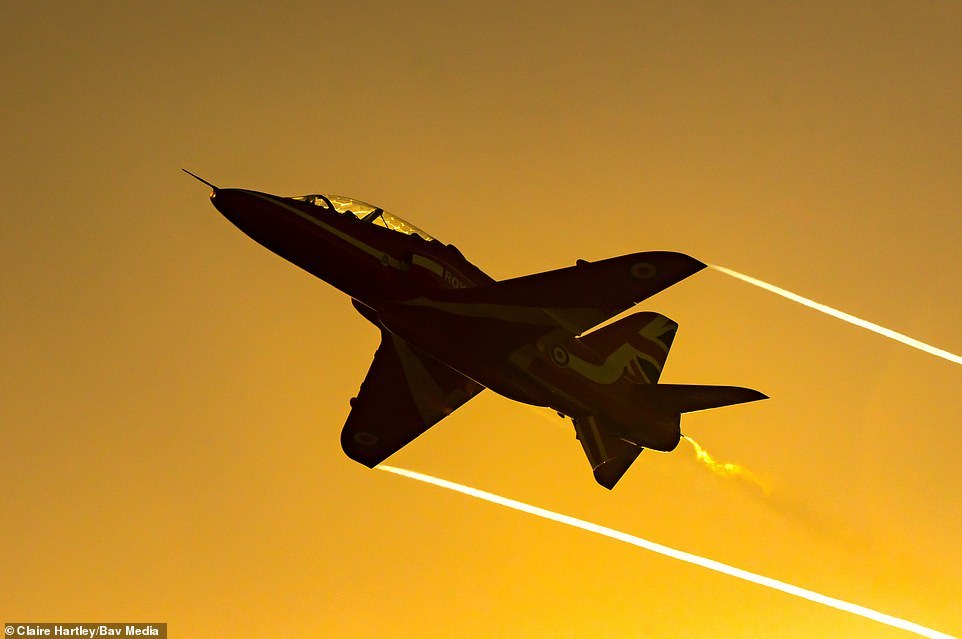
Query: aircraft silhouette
{"type": "Point", "coordinates": [448, 330]}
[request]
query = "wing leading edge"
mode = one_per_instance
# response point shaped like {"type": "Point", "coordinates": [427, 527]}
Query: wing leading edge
{"type": "Point", "coordinates": [577, 297]}
{"type": "Point", "coordinates": [582, 296]}
{"type": "Point", "coordinates": [404, 393]}
{"type": "Point", "coordinates": [503, 317]}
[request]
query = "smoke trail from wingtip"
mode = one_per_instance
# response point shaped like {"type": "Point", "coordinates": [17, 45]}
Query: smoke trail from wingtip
{"type": "Point", "coordinates": [851, 319]}
{"type": "Point", "coordinates": [681, 555]}
{"type": "Point", "coordinates": [726, 469]}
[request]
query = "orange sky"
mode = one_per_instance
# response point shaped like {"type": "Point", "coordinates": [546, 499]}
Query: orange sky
{"type": "Point", "coordinates": [171, 393]}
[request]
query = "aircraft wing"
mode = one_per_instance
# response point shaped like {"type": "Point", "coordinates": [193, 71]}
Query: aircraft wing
{"type": "Point", "coordinates": [405, 393]}
{"type": "Point", "coordinates": [582, 296]}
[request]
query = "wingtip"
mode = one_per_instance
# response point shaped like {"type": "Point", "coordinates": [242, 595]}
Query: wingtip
{"type": "Point", "coordinates": [751, 395]}
{"type": "Point", "coordinates": [690, 264]}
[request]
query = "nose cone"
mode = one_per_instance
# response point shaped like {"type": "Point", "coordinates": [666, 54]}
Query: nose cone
{"type": "Point", "coordinates": [254, 213]}
{"type": "Point", "coordinates": [247, 210]}
{"type": "Point", "coordinates": [224, 201]}
{"type": "Point", "coordinates": [234, 204]}
{"type": "Point", "coordinates": [220, 199]}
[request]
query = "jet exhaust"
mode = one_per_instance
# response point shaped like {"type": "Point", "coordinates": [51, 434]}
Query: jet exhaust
{"type": "Point", "coordinates": [681, 555]}
{"type": "Point", "coordinates": [851, 319]}
{"type": "Point", "coordinates": [726, 469]}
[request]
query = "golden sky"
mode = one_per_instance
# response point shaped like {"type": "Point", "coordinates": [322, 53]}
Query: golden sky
{"type": "Point", "coordinates": [172, 394]}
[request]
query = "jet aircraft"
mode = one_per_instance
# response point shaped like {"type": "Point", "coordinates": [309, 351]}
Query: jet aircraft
{"type": "Point", "coordinates": [449, 330]}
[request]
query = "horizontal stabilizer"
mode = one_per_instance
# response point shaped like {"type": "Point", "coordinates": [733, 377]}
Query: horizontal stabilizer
{"type": "Point", "coordinates": [609, 455]}
{"type": "Point", "coordinates": [687, 398]}
{"type": "Point", "coordinates": [609, 472]}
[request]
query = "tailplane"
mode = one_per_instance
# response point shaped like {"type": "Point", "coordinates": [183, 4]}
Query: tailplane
{"type": "Point", "coordinates": [609, 455]}
{"type": "Point", "coordinates": [687, 398]}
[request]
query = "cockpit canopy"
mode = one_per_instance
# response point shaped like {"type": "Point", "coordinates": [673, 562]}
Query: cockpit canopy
{"type": "Point", "coordinates": [364, 212]}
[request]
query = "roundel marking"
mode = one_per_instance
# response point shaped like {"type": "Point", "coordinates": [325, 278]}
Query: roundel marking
{"type": "Point", "coordinates": [642, 270]}
{"type": "Point", "coordinates": [559, 356]}
{"type": "Point", "coordinates": [366, 439]}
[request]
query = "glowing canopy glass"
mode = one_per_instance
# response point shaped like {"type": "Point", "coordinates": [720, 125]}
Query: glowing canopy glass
{"type": "Point", "coordinates": [364, 212]}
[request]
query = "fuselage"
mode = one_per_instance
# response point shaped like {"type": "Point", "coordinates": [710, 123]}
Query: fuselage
{"type": "Point", "coordinates": [380, 265]}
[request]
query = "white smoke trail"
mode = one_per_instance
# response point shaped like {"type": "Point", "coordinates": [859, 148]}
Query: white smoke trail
{"type": "Point", "coordinates": [851, 319]}
{"type": "Point", "coordinates": [711, 564]}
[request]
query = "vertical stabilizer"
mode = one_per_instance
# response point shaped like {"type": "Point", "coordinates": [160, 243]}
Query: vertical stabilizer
{"type": "Point", "coordinates": [636, 345]}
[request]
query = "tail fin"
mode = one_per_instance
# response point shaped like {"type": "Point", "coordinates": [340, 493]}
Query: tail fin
{"type": "Point", "coordinates": [636, 345]}
{"type": "Point", "coordinates": [687, 398]}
